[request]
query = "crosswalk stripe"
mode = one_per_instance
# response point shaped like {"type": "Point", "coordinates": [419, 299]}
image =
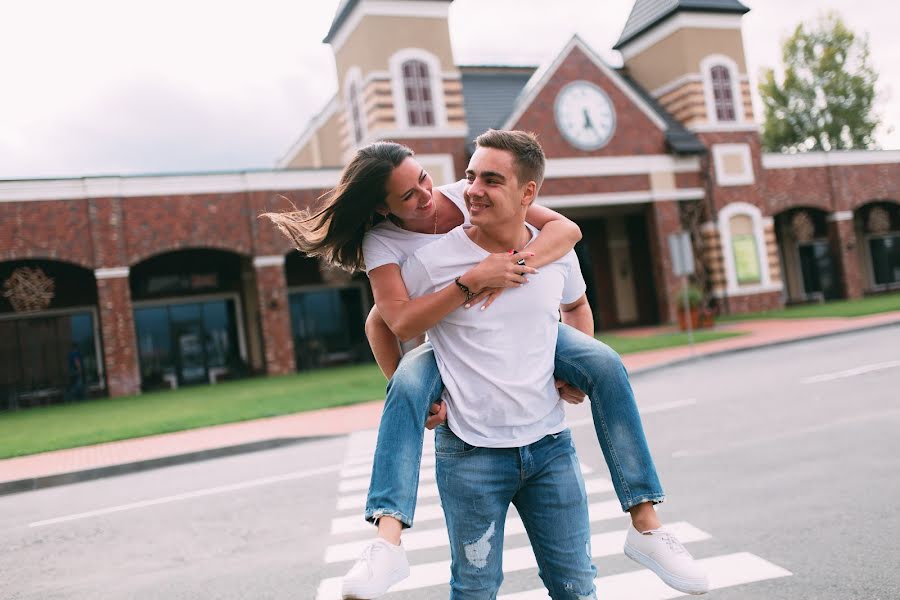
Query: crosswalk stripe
{"type": "Point", "coordinates": [426, 512]}
{"type": "Point", "coordinates": [354, 484]}
{"type": "Point", "coordinates": [363, 467]}
{"type": "Point", "coordinates": [434, 538]}
{"type": "Point", "coordinates": [516, 559]}
{"type": "Point", "coordinates": [430, 490]}
{"type": "Point", "coordinates": [724, 571]}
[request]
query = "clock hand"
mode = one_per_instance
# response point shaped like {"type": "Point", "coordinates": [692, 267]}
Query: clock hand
{"type": "Point", "coordinates": [587, 119]}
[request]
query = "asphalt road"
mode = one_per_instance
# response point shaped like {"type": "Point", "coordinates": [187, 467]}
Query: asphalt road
{"type": "Point", "coordinates": [782, 466]}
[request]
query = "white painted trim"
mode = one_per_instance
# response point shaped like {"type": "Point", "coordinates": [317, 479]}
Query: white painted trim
{"type": "Point", "coordinates": [841, 215]}
{"type": "Point", "coordinates": [27, 190]}
{"type": "Point", "coordinates": [732, 288]}
{"type": "Point", "coordinates": [842, 158]}
{"type": "Point", "coordinates": [353, 79]}
{"type": "Point", "coordinates": [768, 221]}
{"type": "Point", "coordinates": [271, 260]}
{"type": "Point", "coordinates": [724, 180]}
{"type": "Point", "coordinates": [750, 290]}
{"type": "Point", "coordinates": [709, 226]}
{"type": "Point", "coordinates": [542, 77]}
{"type": "Point", "coordinates": [619, 165]}
{"type": "Point", "coordinates": [680, 21]}
{"type": "Point", "coordinates": [725, 127]}
{"type": "Point", "coordinates": [112, 272]}
{"type": "Point", "coordinates": [445, 161]}
{"type": "Point", "coordinates": [435, 75]}
{"type": "Point", "coordinates": [312, 128]}
{"type": "Point", "coordinates": [706, 65]}
{"type": "Point", "coordinates": [676, 83]}
{"type": "Point", "coordinates": [615, 198]}
{"type": "Point", "coordinates": [415, 133]}
{"type": "Point", "coordinates": [387, 8]}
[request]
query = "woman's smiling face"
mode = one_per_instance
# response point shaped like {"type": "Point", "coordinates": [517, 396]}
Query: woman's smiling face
{"type": "Point", "coordinates": [409, 193]}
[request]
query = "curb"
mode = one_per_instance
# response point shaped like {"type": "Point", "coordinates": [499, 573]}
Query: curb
{"type": "Point", "coordinates": [48, 481]}
{"type": "Point", "coordinates": [767, 345]}
{"type": "Point", "coordinates": [37, 483]}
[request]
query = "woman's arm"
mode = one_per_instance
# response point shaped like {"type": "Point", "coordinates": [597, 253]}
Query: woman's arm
{"type": "Point", "coordinates": [408, 318]}
{"type": "Point", "coordinates": [383, 343]}
{"type": "Point", "coordinates": [558, 235]}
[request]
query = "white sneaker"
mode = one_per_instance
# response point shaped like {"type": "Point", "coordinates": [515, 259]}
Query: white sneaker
{"type": "Point", "coordinates": [662, 553]}
{"type": "Point", "coordinates": [381, 565]}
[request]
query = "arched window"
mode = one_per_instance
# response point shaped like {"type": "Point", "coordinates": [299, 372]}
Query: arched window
{"type": "Point", "coordinates": [722, 94]}
{"type": "Point", "coordinates": [355, 112]}
{"type": "Point", "coordinates": [417, 91]}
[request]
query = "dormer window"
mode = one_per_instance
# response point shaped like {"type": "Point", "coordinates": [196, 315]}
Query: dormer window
{"type": "Point", "coordinates": [417, 90]}
{"type": "Point", "coordinates": [724, 100]}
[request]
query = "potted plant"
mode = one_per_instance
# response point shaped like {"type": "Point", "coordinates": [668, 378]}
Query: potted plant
{"type": "Point", "coordinates": [689, 301]}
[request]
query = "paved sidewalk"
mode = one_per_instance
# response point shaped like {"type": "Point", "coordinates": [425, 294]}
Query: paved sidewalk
{"type": "Point", "coordinates": [78, 464]}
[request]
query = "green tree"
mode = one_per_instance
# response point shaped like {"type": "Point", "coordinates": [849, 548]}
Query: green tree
{"type": "Point", "coordinates": [825, 101]}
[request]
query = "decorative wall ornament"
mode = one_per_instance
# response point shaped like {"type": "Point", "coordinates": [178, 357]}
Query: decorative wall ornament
{"type": "Point", "coordinates": [803, 227]}
{"type": "Point", "coordinates": [879, 220]}
{"type": "Point", "coordinates": [29, 290]}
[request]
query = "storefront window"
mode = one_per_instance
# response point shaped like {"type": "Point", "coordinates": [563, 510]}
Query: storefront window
{"type": "Point", "coordinates": [328, 326]}
{"type": "Point", "coordinates": [181, 344]}
{"type": "Point", "coordinates": [885, 252]}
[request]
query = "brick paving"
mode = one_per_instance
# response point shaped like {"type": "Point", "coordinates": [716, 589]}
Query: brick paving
{"type": "Point", "coordinates": [342, 420]}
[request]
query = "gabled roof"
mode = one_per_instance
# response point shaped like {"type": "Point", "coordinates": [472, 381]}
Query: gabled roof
{"type": "Point", "coordinates": [680, 140]}
{"type": "Point", "coordinates": [344, 9]}
{"type": "Point", "coordinates": [646, 14]}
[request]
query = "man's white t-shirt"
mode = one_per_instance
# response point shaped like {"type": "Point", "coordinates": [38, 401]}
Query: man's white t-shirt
{"type": "Point", "coordinates": [497, 364]}
{"type": "Point", "coordinates": [386, 243]}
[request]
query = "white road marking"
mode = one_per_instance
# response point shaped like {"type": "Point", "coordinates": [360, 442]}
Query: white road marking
{"type": "Point", "coordinates": [862, 370]}
{"type": "Point", "coordinates": [724, 571]}
{"type": "Point", "coordinates": [646, 410]}
{"type": "Point", "coordinates": [430, 490]}
{"type": "Point", "coordinates": [189, 495]}
{"type": "Point", "coordinates": [516, 559]}
{"type": "Point", "coordinates": [437, 537]}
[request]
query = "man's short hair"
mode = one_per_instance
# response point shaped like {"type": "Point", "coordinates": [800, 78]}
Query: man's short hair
{"type": "Point", "coordinates": [525, 148]}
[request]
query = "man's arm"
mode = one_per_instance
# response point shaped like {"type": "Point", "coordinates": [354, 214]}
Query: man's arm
{"type": "Point", "coordinates": [576, 314]}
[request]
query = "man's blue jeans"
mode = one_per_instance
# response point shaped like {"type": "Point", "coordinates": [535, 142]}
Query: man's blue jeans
{"type": "Point", "coordinates": [580, 360]}
{"type": "Point", "coordinates": [543, 481]}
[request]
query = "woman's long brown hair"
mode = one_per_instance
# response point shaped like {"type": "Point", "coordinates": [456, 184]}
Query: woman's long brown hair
{"type": "Point", "coordinates": [335, 227]}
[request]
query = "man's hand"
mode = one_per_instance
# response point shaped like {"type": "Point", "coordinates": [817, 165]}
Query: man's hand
{"type": "Point", "coordinates": [569, 392]}
{"type": "Point", "coordinates": [438, 415]}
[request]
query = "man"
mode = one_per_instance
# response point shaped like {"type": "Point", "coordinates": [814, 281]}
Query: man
{"type": "Point", "coordinates": [505, 440]}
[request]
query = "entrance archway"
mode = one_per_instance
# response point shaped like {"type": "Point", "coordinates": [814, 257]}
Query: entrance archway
{"type": "Point", "coordinates": [878, 231]}
{"type": "Point", "coordinates": [807, 260]}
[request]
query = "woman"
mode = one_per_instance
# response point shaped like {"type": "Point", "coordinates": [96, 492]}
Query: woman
{"type": "Point", "coordinates": [383, 209]}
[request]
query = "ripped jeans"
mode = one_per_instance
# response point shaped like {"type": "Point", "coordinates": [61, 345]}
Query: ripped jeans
{"type": "Point", "coordinates": [543, 481]}
{"type": "Point", "coordinates": [581, 360]}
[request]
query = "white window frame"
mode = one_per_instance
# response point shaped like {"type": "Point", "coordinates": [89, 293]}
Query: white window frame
{"type": "Point", "coordinates": [719, 151]}
{"type": "Point", "coordinates": [354, 78]}
{"type": "Point", "coordinates": [706, 65]}
{"type": "Point", "coordinates": [724, 220]}
{"type": "Point", "coordinates": [436, 77]}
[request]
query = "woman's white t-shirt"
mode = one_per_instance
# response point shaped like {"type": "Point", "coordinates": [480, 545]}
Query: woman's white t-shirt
{"type": "Point", "coordinates": [386, 243]}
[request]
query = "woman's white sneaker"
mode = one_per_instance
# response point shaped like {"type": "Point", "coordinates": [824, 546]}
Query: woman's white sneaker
{"type": "Point", "coordinates": [381, 565]}
{"type": "Point", "coordinates": [662, 553]}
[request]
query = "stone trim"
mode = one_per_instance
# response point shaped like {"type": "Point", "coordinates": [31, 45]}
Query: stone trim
{"type": "Point", "coordinates": [112, 272]}
{"type": "Point", "coordinates": [682, 20]}
{"type": "Point", "coordinates": [618, 165]}
{"type": "Point", "coordinates": [841, 215]}
{"type": "Point", "coordinates": [609, 199]}
{"type": "Point", "coordinates": [778, 160]}
{"type": "Point", "coordinates": [272, 260]}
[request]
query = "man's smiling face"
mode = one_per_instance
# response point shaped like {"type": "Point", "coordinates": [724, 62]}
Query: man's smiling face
{"type": "Point", "coordinates": [493, 193]}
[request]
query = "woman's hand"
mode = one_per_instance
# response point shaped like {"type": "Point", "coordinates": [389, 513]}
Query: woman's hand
{"type": "Point", "coordinates": [485, 297]}
{"type": "Point", "coordinates": [569, 392]}
{"type": "Point", "coordinates": [498, 271]}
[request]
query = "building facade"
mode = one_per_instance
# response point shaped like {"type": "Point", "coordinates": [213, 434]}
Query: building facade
{"type": "Point", "coordinates": [162, 281]}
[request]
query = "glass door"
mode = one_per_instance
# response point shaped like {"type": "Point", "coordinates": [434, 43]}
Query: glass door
{"type": "Point", "coordinates": [819, 277]}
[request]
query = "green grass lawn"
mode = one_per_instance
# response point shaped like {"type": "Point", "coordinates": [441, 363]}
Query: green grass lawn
{"type": "Point", "coordinates": [108, 419]}
{"type": "Point", "coordinates": [836, 308]}
{"type": "Point", "coordinates": [627, 345]}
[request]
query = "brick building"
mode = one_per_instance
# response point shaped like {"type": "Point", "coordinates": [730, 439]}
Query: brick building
{"type": "Point", "coordinates": [160, 281]}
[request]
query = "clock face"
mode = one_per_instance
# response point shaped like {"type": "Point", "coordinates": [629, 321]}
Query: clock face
{"type": "Point", "coordinates": [585, 115]}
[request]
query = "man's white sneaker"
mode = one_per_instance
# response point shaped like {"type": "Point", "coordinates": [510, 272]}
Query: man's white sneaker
{"type": "Point", "coordinates": [662, 553]}
{"type": "Point", "coordinates": [381, 565]}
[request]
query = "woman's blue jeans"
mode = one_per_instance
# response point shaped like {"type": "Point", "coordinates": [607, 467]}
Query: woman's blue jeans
{"type": "Point", "coordinates": [581, 360]}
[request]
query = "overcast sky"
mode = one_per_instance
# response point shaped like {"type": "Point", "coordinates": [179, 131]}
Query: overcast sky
{"type": "Point", "coordinates": [146, 86]}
